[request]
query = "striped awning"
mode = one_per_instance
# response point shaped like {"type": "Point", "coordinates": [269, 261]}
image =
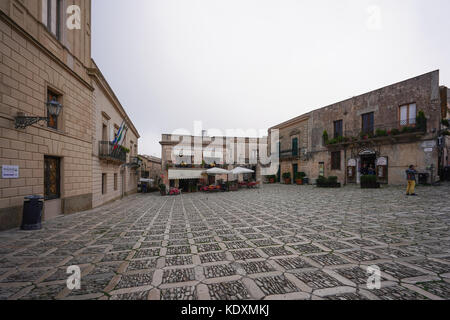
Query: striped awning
{"type": "Point", "coordinates": [185, 174]}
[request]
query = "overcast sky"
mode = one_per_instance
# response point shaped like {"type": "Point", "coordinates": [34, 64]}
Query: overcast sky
{"type": "Point", "coordinates": [251, 64]}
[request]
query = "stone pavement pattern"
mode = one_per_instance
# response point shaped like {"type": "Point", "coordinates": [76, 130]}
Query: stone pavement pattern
{"type": "Point", "coordinates": [278, 242]}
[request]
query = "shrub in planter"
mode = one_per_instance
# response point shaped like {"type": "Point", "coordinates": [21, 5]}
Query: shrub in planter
{"type": "Point", "coordinates": [299, 178]}
{"type": "Point", "coordinates": [407, 129]}
{"type": "Point", "coordinates": [272, 178]}
{"type": "Point", "coordinates": [331, 182]}
{"type": "Point", "coordinates": [381, 133]}
{"type": "Point", "coordinates": [287, 177]}
{"type": "Point", "coordinates": [395, 132]}
{"type": "Point", "coordinates": [369, 182]}
{"type": "Point", "coordinates": [322, 181]}
{"type": "Point", "coordinates": [445, 123]}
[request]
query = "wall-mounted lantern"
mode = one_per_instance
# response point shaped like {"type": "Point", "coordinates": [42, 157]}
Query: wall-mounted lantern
{"type": "Point", "coordinates": [54, 109]}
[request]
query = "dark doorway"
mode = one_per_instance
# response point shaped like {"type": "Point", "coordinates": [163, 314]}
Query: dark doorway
{"type": "Point", "coordinates": [367, 162]}
{"type": "Point", "coordinates": [188, 185]}
{"type": "Point", "coordinates": [294, 171]}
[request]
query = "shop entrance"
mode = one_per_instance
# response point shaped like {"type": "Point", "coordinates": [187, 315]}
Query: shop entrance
{"type": "Point", "coordinates": [188, 185]}
{"type": "Point", "coordinates": [368, 163]}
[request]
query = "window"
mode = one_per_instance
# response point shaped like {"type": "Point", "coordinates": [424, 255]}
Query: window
{"type": "Point", "coordinates": [407, 114]}
{"type": "Point", "coordinates": [52, 173]}
{"type": "Point", "coordinates": [104, 132]}
{"type": "Point", "coordinates": [295, 147]}
{"type": "Point", "coordinates": [321, 169]}
{"type": "Point", "coordinates": [115, 181]}
{"type": "Point", "coordinates": [53, 120]}
{"type": "Point", "coordinates": [367, 123]}
{"type": "Point", "coordinates": [104, 183]}
{"type": "Point", "coordinates": [336, 160]}
{"type": "Point", "coordinates": [53, 18]}
{"type": "Point", "coordinates": [338, 130]}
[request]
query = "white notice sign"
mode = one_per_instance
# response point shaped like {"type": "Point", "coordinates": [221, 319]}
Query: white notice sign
{"type": "Point", "coordinates": [10, 172]}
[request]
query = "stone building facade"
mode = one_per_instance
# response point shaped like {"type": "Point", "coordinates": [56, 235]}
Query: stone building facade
{"type": "Point", "coordinates": [186, 158]}
{"type": "Point", "coordinates": [292, 146]}
{"type": "Point", "coordinates": [378, 129]}
{"type": "Point", "coordinates": [39, 60]}
{"type": "Point", "coordinates": [445, 140]}
{"type": "Point", "coordinates": [43, 60]}
{"type": "Point", "coordinates": [113, 173]}
{"type": "Point", "coordinates": [151, 167]}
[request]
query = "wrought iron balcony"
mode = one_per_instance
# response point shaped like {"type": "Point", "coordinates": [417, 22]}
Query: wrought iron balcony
{"type": "Point", "coordinates": [107, 152]}
{"type": "Point", "coordinates": [289, 154]}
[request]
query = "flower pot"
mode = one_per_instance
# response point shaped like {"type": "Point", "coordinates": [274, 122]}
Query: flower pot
{"type": "Point", "coordinates": [287, 181]}
{"type": "Point", "coordinates": [299, 182]}
{"type": "Point", "coordinates": [272, 180]}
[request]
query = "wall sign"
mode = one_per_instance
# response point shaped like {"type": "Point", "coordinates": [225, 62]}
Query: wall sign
{"type": "Point", "coordinates": [382, 161]}
{"type": "Point", "coordinates": [352, 163]}
{"type": "Point", "coordinates": [429, 144]}
{"type": "Point", "coordinates": [10, 172]}
{"type": "Point", "coordinates": [428, 149]}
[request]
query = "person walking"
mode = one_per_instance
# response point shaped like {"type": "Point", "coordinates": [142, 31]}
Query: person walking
{"type": "Point", "coordinates": [411, 177]}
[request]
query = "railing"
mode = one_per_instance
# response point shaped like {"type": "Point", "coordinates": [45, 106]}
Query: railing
{"type": "Point", "coordinates": [107, 152]}
{"type": "Point", "coordinates": [381, 131]}
{"type": "Point", "coordinates": [197, 166]}
{"type": "Point", "coordinates": [285, 154]}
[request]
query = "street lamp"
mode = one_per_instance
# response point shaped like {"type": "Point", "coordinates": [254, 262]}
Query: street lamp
{"type": "Point", "coordinates": [53, 107]}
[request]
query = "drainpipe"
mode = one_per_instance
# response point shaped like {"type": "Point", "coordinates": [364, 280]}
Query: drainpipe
{"type": "Point", "coordinates": [345, 166]}
{"type": "Point", "coordinates": [122, 172]}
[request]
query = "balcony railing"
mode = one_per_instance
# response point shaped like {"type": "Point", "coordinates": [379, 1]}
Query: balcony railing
{"type": "Point", "coordinates": [393, 130]}
{"type": "Point", "coordinates": [288, 154]}
{"type": "Point", "coordinates": [196, 166]}
{"type": "Point", "coordinates": [107, 152]}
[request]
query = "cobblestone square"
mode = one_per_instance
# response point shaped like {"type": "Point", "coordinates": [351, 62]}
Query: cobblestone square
{"type": "Point", "coordinates": [284, 242]}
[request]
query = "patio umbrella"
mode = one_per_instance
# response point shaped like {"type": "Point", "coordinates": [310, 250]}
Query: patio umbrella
{"type": "Point", "coordinates": [217, 171]}
{"type": "Point", "coordinates": [240, 170]}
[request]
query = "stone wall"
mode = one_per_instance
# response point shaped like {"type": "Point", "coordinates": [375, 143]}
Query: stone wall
{"type": "Point", "coordinates": [27, 71]}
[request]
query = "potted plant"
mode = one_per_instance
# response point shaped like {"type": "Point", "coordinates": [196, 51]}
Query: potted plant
{"type": "Point", "coordinates": [321, 182]}
{"type": "Point", "coordinates": [174, 192]}
{"type": "Point", "coordinates": [395, 131]}
{"type": "Point", "coordinates": [325, 137]}
{"type": "Point", "coordinates": [287, 177]}
{"type": "Point", "coordinates": [330, 182]}
{"type": "Point", "coordinates": [369, 182]}
{"type": "Point", "coordinates": [333, 182]}
{"type": "Point", "coordinates": [299, 176]}
{"type": "Point", "coordinates": [162, 189]}
{"type": "Point", "coordinates": [421, 121]}
{"type": "Point", "coordinates": [272, 178]}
